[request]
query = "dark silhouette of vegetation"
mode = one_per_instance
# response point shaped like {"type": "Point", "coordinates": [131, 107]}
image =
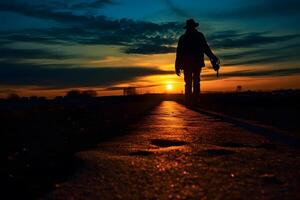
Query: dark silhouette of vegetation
{"type": "Point", "coordinates": [13, 96]}
{"type": "Point", "coordinates": [41, 137]}
{"type": "Point", "coordinates": [75, 94]}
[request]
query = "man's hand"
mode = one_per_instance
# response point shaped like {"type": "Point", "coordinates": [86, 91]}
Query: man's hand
{"type": "Point", "coordinates": [215, 62]}
{"type": "Point", "coordinates": [178, 72]}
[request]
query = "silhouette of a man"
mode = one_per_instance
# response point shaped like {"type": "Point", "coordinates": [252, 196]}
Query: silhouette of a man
{"type": "Point", "coordinates": [191, 48]}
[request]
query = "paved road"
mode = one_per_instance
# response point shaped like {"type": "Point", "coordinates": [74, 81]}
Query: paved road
{"type": "Point", "coordinates": [176, 153]}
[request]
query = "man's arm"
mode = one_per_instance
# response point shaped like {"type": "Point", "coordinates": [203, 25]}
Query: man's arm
{"type": "Point", "coordinates": [215, 61]}
{"type": "Point", "coordinates": [207, 49]}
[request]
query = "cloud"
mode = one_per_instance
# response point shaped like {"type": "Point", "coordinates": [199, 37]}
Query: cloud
{"type": "Point", "coordinates": [61, 11]}
{"type": "Point", "coordinates": [234, 39]}
{"type": "Point", "coordinates": [134, 85]}
{"type": "Point", "coordinates": [149, 49]}
{"type": "Point", "coordinates": [87, 29]}
{"type": "Point", "coordinates": [262, 55]}
{"type": "Point", "coordinates": [143, 37]}
{"type": "Point", "coordinates": [61, 76]}
{"type": "Point", "coordinates": [98, 22]}
{"type": "Point", "coordinates": [17, 54]}
{"type": "Point", "coordinates": [275, 72]}
{"type": "Point", "coordinates": [136, 37]}
{"type": "Point", "coordinates": [255, 73]}
{"type": "Point", "coordinates": [263, 60]}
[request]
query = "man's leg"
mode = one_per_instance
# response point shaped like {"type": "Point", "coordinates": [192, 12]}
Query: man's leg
{"type": "Point", "coordinates": [188, 86]}
{"type": "Point", "coordinates": [196, 85]}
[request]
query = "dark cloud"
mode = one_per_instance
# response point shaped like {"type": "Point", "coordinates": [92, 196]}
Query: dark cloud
{"type": "Point", "coordinates": [69, 76]}
{"type": "Point", "coordinates": [66, 17]}
{"type": "Point", "coordinates": [275, 72]}
{"type": "Point", "coordinates": [262, 55]}
{"type": "Point", "coordinates": [136, 86]}
{"type": "Point", "coordinates": [39, 11]}
{"type": "Point", "coordinates": [149, 49]}
{"type": "Point", "coordinates": [152, 45]}
{"type": "Point", "coordinates": [150, 38]}
{"type": "Point", "coordinates": [138, 37]}
{"type": "Point", "coordinates": [263, 60]}
{"type": "Point", "coordinates": [233, 39]}
{"type": "Point", "coordinates": [98, 22]}
{"type": "Point", "coordinates": [61, 11]}
{"type": "Point", "coordinates": [134, 36]}
{"type": "Point", "coordinates": [225, 34]}
{"type": "Point", "coordinates": [255, 73]}
{"type": "Point", "coordinates": [86, 29]}
{"type": "Point", "coordinates": [16, 54]}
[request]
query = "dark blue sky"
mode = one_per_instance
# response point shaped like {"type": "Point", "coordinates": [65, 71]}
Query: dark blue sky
{"type": "Point", "coordinates": [55, 45]}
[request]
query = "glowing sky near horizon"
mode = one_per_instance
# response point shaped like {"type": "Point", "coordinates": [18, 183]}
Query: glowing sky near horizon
{"type": "Point", "coordinates": [49, 47]}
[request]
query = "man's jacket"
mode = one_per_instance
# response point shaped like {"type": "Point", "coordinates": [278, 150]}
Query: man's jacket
{"type": "Point", "coordinates": [191, 49]}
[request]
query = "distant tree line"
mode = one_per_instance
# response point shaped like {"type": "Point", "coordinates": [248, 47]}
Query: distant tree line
{"type": "Point", "coordinates": [72, 94]}
{"type": "Point", "coordinates": [81, 94]}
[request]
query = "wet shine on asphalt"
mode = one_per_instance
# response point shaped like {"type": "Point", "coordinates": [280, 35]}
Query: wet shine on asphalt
{"type": "Point", "coordinates": [176, 153]}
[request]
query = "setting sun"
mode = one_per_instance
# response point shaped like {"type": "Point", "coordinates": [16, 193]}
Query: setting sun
{"type": "Point", "coordinates": [169, 86]}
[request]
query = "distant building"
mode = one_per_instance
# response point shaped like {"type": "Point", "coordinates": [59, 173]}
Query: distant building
{"type": "Point", "coordinates": [238, 88]}
{"type": "Point", "coordinates": [129, 91]}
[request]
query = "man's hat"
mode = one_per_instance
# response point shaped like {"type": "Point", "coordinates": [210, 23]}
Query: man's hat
{"type": "Point", "coordinates": [190, 23]}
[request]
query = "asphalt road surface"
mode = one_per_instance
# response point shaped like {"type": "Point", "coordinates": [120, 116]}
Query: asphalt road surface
{"type": "Point", "coordinates": [177, 153]}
